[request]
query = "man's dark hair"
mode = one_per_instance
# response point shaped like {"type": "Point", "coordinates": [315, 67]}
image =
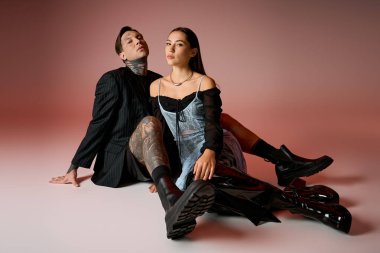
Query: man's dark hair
{"type": "Point", "coordinates": [118, 46]}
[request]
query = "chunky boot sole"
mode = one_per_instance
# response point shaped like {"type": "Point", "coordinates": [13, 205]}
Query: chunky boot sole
{"type": "Point", "coordinates": [310, 167]}
{"type": "Point", "coordinates": [195, 201]}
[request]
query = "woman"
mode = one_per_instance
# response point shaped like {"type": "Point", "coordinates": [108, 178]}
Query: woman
{"type": "Point", "coordinates": [190, 105]}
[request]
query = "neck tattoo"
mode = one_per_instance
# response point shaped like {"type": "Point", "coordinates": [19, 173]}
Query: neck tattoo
{"type": "Point", "coordinates": [138, 66]}
{"type": "Point", "coordinates": [180, 83]}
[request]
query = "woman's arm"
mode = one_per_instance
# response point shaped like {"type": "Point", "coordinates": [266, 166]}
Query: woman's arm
{"type": "Point", "coordinates": [205, 166]}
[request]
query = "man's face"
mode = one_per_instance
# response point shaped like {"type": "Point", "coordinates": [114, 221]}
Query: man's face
{"type": "Point", "coordinates": [134, 46]}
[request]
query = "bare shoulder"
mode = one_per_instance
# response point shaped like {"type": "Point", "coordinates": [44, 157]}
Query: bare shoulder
{"type": "Point", "coordinates": [207, 83]}
{"type": "Point", "coordinates": [154, 88]}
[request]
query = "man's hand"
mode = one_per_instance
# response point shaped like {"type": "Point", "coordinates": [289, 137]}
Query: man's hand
{"type": "Point", "coordinates": [152, 188]}
{"type": "Point", "coordinates": [204, 167]}
{"type": "Point", "coordinates": [69, 178]}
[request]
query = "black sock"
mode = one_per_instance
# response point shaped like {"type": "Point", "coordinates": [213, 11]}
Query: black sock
{"type": "Point", "coordinates": [160, 172]}
{"type": "Point", "coordinates": [166, 188]}
{"type": "Point", "coordinates": [263, 149]}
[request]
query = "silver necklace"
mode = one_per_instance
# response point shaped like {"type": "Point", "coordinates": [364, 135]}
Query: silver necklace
{"type": "Point", "coordinates": [180, 83]}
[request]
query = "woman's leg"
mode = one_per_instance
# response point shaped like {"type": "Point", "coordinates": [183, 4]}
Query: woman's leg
{"type": "Point", "coordinates": [242, 194]}
{"type": "Point", "coordinates": [288, 165]}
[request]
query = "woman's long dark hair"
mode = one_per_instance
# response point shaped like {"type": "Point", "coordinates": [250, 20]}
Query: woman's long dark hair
{"type": "Point", "coordinates": [195, 62]}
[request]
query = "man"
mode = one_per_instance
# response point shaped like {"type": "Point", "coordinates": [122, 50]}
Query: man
{"type": "Point", "coordinates": [129, 147]}
{"type": "Point", "coordinates": [128, 143]}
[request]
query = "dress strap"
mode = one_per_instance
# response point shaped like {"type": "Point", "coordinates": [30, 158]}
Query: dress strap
{"type": "Point", "coordinates": [159, 89]}
{"type": "Point", "coordinates": [199, 85]}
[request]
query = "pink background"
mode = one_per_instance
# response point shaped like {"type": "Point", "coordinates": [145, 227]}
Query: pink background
{"type": "Point", "coordinates": [294, 65]}
{"type": "Point", "coordinates": [303, 73]}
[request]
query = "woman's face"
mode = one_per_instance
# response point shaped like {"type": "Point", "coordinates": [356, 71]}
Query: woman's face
{"type": "Point", "coordinates": [178, 50]}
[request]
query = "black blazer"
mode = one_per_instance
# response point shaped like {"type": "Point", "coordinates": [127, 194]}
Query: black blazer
{"type": "Point", "coordinates": [121, 101]}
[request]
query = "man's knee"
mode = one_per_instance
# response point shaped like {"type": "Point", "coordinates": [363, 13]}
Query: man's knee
{"type": "Point", "coordinates": [151, 125]}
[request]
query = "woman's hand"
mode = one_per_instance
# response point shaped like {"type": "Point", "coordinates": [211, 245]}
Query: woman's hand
{"type": "Point", "coordinates": [204, 167]}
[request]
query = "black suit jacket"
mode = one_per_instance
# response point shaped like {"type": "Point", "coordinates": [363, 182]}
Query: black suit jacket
{"type": "Point", "coordinates": [121, 101]}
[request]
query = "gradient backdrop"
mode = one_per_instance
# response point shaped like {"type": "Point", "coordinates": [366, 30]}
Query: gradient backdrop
{"type": "Point", "coordinates": [295, 71]}
{"type": "Point", "coordinates": [305, 73]}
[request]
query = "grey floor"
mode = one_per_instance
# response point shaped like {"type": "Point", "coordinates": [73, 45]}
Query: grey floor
{"type": "Point", "coordinates": [39, 217]}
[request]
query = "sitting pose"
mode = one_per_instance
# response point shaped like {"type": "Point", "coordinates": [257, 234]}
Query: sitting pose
{"type": "Point", "coordinates": [188, 104]}
{"type": "Point", "coordinates": [127, 142]}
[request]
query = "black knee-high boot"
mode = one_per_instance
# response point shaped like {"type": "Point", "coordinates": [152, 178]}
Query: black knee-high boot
{"type": "Point", "coordinates": [239, 194]}
{"type": "Point", "coordinates": [300, 200]}
{"type": "Point", "coordinates": [330, 214]}
{"type": "Point", "coordinates": [181, 208]}
{"type": "Point", "coordinates": [288, 165]}
{"type": "Point", "coordinates": [319, 193]}
{"type": "Point", "coordinates": [233, 179]}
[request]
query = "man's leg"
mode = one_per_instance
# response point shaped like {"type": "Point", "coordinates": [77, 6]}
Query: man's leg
{"type": "Point", "coordinates": [288, 165]}
{"type": "Point", "coordinates": [181, 208]}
